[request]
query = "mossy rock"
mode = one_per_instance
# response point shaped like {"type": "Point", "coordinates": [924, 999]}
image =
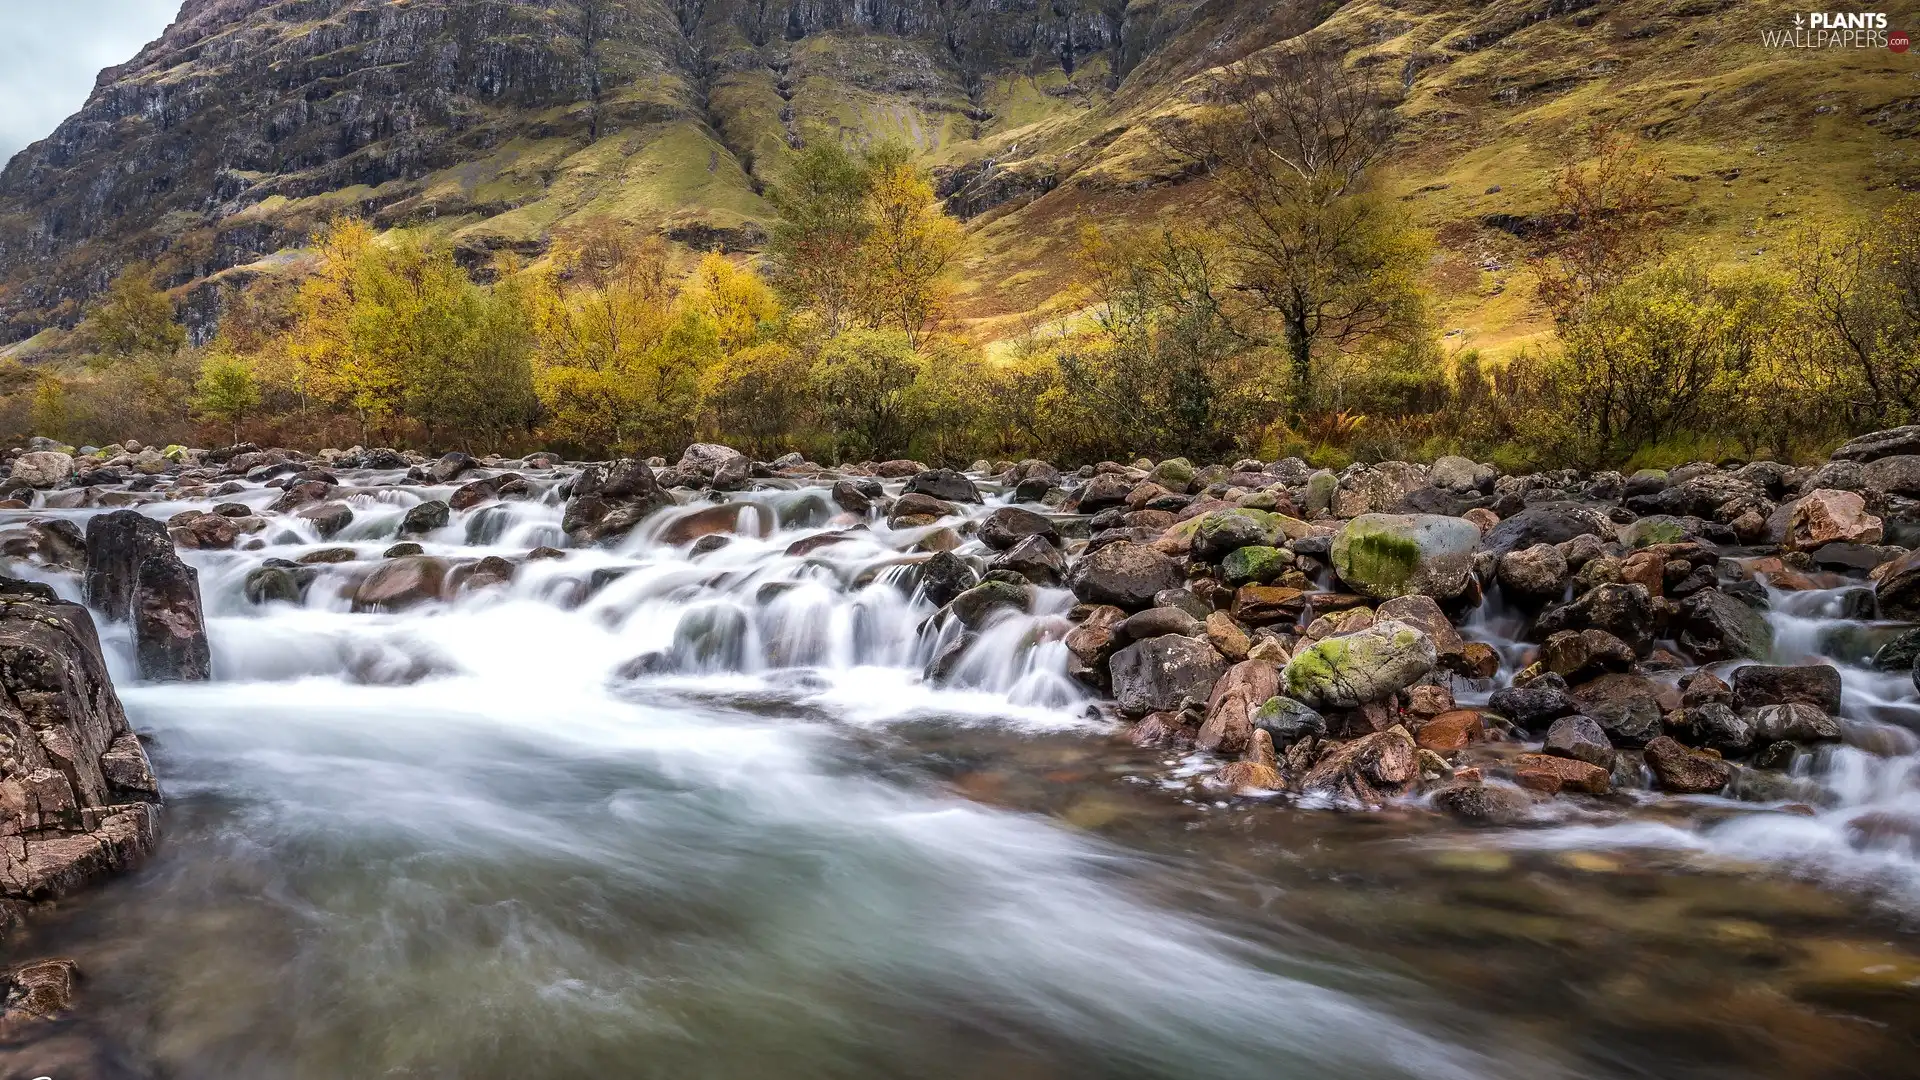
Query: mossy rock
{"type": "Point", "coordinates": [1354, 669]}
{"type": "Point", "coordinates": [1174, 474]}
{"type": "Point", "coordinates": [1388, 555]}
{"type": "Point", "coordinates": [1255, 564]}
{"type": "Point", "coordinates": [1658, 529]}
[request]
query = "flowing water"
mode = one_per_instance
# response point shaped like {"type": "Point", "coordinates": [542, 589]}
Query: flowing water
{"type": "Point", "coordinates": [480, 839]}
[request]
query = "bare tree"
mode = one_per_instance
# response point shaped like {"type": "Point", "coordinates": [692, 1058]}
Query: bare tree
{"type": "Point", "coordinates": [1603, 224]}
{"type": "Point", "coordinates": [1289, 138]}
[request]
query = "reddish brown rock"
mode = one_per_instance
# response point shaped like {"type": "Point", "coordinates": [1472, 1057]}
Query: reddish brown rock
{"type": "Point", "coordinates": [1236, 697]}
{"type": "Point", "coordinates": [1161, 729]}
{"type": "Point", "coordinates": [1365, 771]}
{"type": "Point", "coordinates": [1263, 605]}
{"type": "Point", "coordinates": [1452, 731]}
{"type": "Point", "coordinates": [1552, 775]}
{"type": "Point", "coordinates": [1683, 771]}
{"type": "Point", "coordinates": [1825, 516]}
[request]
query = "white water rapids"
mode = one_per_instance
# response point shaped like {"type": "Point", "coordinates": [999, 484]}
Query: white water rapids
{"type": "Point", "coordinates": [455, 841]}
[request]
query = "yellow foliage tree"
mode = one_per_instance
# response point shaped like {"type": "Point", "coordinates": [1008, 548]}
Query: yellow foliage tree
{"type": "Point", "coordinates": [617, 360]}
{"type": "Point", "coordinates": [909, 245]}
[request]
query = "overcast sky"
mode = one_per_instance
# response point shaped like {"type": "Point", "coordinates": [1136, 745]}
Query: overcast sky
{"type": "Point", "coordinates": [50, 50]}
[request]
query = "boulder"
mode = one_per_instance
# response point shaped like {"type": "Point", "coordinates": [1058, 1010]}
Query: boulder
{"type": "Point", "coordinates": [1579, 738]}
{"type": "Point", "coordinates": [1716, 626]}
{"type": "Point", "coordinates": [1155, 621]}
{"type": "Point", "coordinates": [1288, 721]}
{"type": "Point", "coordinates": [1626, 706]}
{"type": "Point", "coordinates": [203, 531]}
{"type": "Point", "coordinates": [1713, 724]}
{"type": "Point", "coordinates": [78, 800]}
{"type": "Point", "coordinates": [169, 627]}
{"type": "Point", "coordinates": [1356, 669]}
{"type": "Point", "coordinates": [1236, 697]}
{"type": "Point", "coordinates": [1216, 535]}
{"type": "Point", "coordinates": [945, 576]}
{"type": "Point", "coordinates": [116, 542]}
{"type": "Point", "coordinates": [1794, 722]}
{"type": "Point", "coordinates": [1898, 475]}
{"type": "Point", "coordinates": [608, 501]}
{"type": "Point", "coordinates": [1256, 564]}
{"type": "Point", "coordinates": [946, 485]}
{"type": "Point", "coordinates": [1257, 772]}
{"type": "Point", "coordinates": [1552, 775]}
{"type": "Point", "coordinates": [1450, 731]}
{"type": "Point", "coordinates": [1546, 523]}
{"type": "Point", "coordinates": [450, 467]}
{"type": "Point", "coordinates": [1123, 574]}
{"type": "Point", "coordinates": [1265, 605]}
{"type": "Point", "coordinates": [1456, 473]}
{"type": "Point", "coordinates": [1824, 516]}
{"type": "Point", "coordinates": [405, 582]}
{"type": "Point", "coordinates": [1896, 587]}
{"type": "Point", "coordinates": [423, 518]}
{"type": "Point", "coordinates": [1533, 573]}
{"type": "Point", "coordinates": [1164, 674]}
{"type": "Point", "coordinates": [1372, 489]}
{"type": "Point", "coordinates": [1899, 654]}
{"type": "Point", "coordinates": [1389, 555]}
{"type": "Point", "coordinates": [1092, 643]}
{"type": "Point", "coordinates": [1228, 636]}
{"type": "Point", "coordinates": [1483, 804]}
{"type": "Point", "coordinates": [1103, 491]}
{"type": "Point", "coordinates": [42, 468]}
{"type": "Point", "coordinates": [1572, 654]}
{"type": "Point", "coordinates": [914, 510]}
{"type": "Point", "coordinates": [1879, 444]}
{"type": "Point", "coordinates": [1757, 685]}
{"type": "Point", "coordinates": [721, 468]}
{"type": "Point", "coordinates": [850, 498]}
{"type": "Point", "coordinates": [1009, 525]}
{"type": "Point", "coordinates": [1366, 771]}
{"type": "Point", "coordinates": [329, 518]}
{"type": "Point", "coordinates": [1622, 610]}
{"type": "Point", "coordinates": [1533, 708]}
{"type": "Point", "coordinates": [987, 601]}
{"type": "Point", "coordinates": [1034, 558]}
{"type": "Point", "coordinates": [1423, 613]}
{"type": "Point", "coordinates": [1683, 771]}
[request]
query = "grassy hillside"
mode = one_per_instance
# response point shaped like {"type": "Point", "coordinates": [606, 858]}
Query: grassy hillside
{"type": "Point", "coordinates": [700, 106]}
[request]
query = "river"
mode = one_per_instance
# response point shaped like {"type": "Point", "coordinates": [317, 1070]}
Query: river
{"type": "Point", "coordinates": [476, 839]}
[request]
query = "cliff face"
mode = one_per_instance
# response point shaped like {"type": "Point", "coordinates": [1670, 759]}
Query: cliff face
{"type": "Point", "coordinates": [496, 123]}
{"type": "Point", "coordinates": [250, 121]}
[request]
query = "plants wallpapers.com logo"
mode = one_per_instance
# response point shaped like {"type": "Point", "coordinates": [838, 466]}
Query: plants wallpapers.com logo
{"type": "Point", "coordinates": [1836, 30]}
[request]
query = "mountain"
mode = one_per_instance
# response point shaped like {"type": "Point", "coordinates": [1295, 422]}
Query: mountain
{"type": "Point", "coordinates": [216, 150]}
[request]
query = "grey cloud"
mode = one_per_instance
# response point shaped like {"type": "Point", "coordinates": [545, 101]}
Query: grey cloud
{"type": "Point", "coordinates": [50, 51]}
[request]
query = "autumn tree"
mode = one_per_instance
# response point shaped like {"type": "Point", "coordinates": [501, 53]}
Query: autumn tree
{"type": "Point", "coordinates": [617, 357]}
{"type": "Point", "coordinates": [226, 391]}
{"type": "Point", "coordinates": [1290, 139]}
{"type": "Point", "coordinates": [1164, 368]}
{"type": "Point", "coordinates": [133, 319]}
{"type": "Point", "coordinates": [1602, 223]}
{"type": "Point", "coordinates": [862, 385]}
{"type": "Point", "coordinates": [909, 246]}
{"type": "Point", "coordinates": [1859, 287]}
{"type": "Point", "coordinates": [861, 240]}
{"type": "Point", "coordinates": [814, 249]}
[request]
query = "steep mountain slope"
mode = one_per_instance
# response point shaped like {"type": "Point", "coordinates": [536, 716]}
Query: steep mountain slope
{"type": "Point", "coordinates": [496, 122]}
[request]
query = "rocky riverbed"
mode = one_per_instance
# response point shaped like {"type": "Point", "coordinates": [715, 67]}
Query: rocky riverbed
{"type": "Point", "coordinates": [530, 767]}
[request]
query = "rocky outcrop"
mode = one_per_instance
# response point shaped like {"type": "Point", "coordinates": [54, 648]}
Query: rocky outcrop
{"type": "Point", "coordinates": [134, 575]}
{"type": "Point", "coordinates": [608, 501]}
{"type": "Point", "coordinates": [78, 800]}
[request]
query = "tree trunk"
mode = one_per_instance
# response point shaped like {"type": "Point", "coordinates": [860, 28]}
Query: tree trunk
{"type": "Point", "coordinates": [1300, 349]}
